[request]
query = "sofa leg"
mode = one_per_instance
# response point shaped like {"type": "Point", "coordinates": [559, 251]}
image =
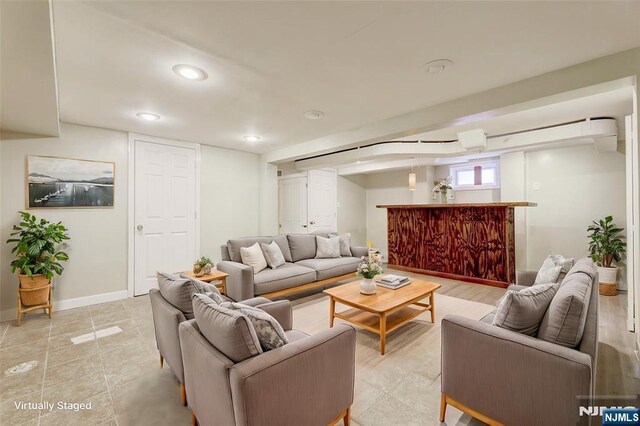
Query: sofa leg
{"type": "Point", "coordinates": [194, 421]}
{"type": "Point", "coordinates": [183, 394]}
{"type": "Point", "coordinates": [161, 361]}
{"type": "Point", "coordinates": [443, 406]}
{"type": "Point", "coordinates": [347, 417]}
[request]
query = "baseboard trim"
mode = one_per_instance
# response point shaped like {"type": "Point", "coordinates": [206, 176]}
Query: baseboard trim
{"type": "Point", "coordinates": [78, 302]}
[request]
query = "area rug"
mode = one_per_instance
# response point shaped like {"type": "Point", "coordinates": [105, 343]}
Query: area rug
{"type": "Point", "coordinates": [401, 387]}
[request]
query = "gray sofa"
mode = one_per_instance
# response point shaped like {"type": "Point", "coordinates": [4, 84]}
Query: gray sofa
{"type": "Point", "coordinates": [499, 375]}
{"type": "Point", "coordinates": [166, 319]}
{"type": "Point", "coordinates": [308, 381]}
{"type": "Point", "coordinates": [300, 272]}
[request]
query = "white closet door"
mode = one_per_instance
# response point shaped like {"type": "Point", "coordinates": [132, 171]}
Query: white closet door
{"type": "Point", "coordinates": [323, 200]}
{"type": "Point", "coordinates": [292, 205]}
{"type": "Point", "coordinates": [165, 212]}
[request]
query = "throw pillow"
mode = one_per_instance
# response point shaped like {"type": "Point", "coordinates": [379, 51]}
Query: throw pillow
{"type": "Point", "coordinates": [178, 291]}
{"type": "Point", "coordinates": [548, 273]}
{"type": "Point", "coordinates": [327, 248]}
{"type": "Point", "coordinates": [345, 245]}
{"type": "Point", "coordinates": [566, 263]}
{"type": "Point", "coordinates": [283, 243]}
{"type": "Point", "coordinates": [269, 331]}
{"type": "Point", "coordinates": [523, 310]}
{"type": "Point", "coordinates": [272, 254]}
{"type": "Point", "coordinates": [564, 322]}
{"type": "Point", "coordinates": [227, 330]}
{"type": "Point", "coordinates": [253, 257]}
{"type": "Point", "coordinates": [205, 288]}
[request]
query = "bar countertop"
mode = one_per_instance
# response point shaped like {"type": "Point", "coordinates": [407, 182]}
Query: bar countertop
{"type": "Point", "coordinates": [454, 205]}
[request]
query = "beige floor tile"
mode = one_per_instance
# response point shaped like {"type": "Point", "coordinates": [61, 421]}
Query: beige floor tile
{"type": "Point", "coordinates": [63, 341]}
{"type": "Point", "coordinates": [83, 368]}
{"type": "Point", "coordinates": [365, 396]}
{"type": "Point", "coordinates": [81, 389]}
{"type": "Point", "coordinates": [100, 412]}
{"type": "Point", "coordinates": [420, 394]}
{"type": "Point", "coordinates": [31, 321]}
{"type": "Point", "coordinates": [119, 373]}
{"type": "Point", "coordinates": [109, 318]}
{"type": "Point", "coordinates": [127, 336]}
{"type": "Point", "coordinates": [22, 384]}
{"type": "Point", "coordinates": [72, 352]}
{"type": "Point", "coordinates": [78, 327]}
{"type": "Point", "coordinates": [389, 411]}
{"type": "Point", "coordinates": [71, 315]}
{"type": "Point", "coordinates": [131, 351]}
{"type": "Point", "coordinates": [35, 351]}
{"type": "Point", "coordinates": [11, 415]}
{"type": "Point", "coordinates": [108, 308]}
{"type": "Point", "coordinates": [16, 336]}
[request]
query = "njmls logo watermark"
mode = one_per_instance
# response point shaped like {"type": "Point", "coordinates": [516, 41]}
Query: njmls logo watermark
{"type": "Point", "coordinates": [609, 410]}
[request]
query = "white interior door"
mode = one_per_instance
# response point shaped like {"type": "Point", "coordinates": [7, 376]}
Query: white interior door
{"type": "Point", "coordinates": [292, 205]}
{"type": "Point", "coordinates": [323, 201]}
{"type": "Point", "coordinates": [165, 212]}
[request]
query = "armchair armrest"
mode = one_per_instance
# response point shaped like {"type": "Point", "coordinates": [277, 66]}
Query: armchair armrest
{"type": "Point", "coordinates": [526, 278]}
{"type": "Point", "coordinates": [360, 251]}
{"type": "Point", "coordinates": [278, 385]}
{"type": "Point", "coordinates": [240, 280]}
{"type": "Point", "coordinates": [281, 310]}
{"type": "Point", "coordinates": [509, 376]}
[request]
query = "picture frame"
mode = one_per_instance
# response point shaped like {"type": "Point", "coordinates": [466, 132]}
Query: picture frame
{"type": "Point", "coordinates": [59, 182]}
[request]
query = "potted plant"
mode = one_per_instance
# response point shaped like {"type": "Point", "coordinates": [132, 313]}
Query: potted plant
{"type": "Point", "coordinates": [368, 268]}
{"type": "Point", "coordinates": [202, 267]}
{"type": "Point", "coordinates": [606, 245]}
{"type": "Point", "coordinates": [38, 259]}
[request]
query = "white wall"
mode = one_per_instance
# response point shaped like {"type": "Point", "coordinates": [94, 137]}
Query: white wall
{"type": "Point", "coordinates": [352, 208]}
{"type": "Point", "coordinates": [577, 185]}
{"type": "Point", "coordinates": [513, 187]}
{"type": "Point", "coordinates": [98, 245]}
{"type": "Point", "coordinates": [229, 197]}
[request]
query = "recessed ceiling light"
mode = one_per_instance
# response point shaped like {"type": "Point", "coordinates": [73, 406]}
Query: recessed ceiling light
{"type": "Point", "coordinates": [189, 72]}
{"type": "Point", "coordinates": [149, 116]}
{"type": "Point", "coordinates": [438, 66]}
{"type": "Point", "coordinates": [314, 115]}
{"type": "Point", "coordinates": [251, 138]}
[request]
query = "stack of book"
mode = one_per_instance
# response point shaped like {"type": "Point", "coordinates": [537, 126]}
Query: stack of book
{"type": "Point", "coordinates": [393, 281]}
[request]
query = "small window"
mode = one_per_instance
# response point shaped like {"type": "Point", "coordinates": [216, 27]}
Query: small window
{"type": "Point", "coordinates": [475, 176]}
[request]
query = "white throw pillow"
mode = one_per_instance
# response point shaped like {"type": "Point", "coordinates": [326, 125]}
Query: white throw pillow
{"type": "Point", "coordinates": [548, 273]}
{"type": "Point", "coordinates": [253, 257]}
{"type": "Point", "coordinates": [272, 254]}
{"type": "Point", "coordinates": [327, 248]}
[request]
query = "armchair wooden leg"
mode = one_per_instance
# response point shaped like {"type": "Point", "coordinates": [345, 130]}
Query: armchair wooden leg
{"type": "Point", "coordinates": [161, 361]}
{"type": "Point", "coordinates": [19, 312]}
{"type": "Point", "coordinates": [347, 417]}
{"type": "Point", "coordinates": [194, 421]}
{"type": "Point", "coordinates": [443, 406]}
{"type": "Point", "coordinates": [183, 394]}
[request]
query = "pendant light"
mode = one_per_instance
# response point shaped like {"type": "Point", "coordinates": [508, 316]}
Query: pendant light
{"type": "Point", "coordinates": [412, 178]}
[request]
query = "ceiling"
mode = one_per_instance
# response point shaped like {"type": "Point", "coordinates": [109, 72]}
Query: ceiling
{"type": "Point", "coordinates": [28, 96]}
{"type": "Point", "coordinates": [270, 62]}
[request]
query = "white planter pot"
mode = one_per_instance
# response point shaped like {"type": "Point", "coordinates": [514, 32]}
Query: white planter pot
{"type": "Point", "coordinates": [367, 286]}
{"type": "Point", "coordinates": [608, 275]}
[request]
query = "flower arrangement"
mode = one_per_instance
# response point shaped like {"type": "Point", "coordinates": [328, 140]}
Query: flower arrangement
{"type": "Point", "coordinates": [369, 265]}
{"type": "Point", "coordinates": [202, 266]}
{"type": "Point", "coordinates": [443, 186]}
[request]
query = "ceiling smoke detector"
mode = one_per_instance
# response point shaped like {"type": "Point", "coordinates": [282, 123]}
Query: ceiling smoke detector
{"type": "Point", "coordinates": [438, 66]}
{"type": "Point", "coordinates": [314, 115]}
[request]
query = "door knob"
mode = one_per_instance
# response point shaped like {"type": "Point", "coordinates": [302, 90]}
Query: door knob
{"type": "Point", "coordinates": [312, 222]}
{"type": "Point", "coordinates": [304, 226]}
{"type": "Point", "coordinates": [140, 227]}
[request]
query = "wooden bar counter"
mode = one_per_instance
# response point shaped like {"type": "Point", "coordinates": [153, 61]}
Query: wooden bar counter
{"type": "Point", "coordinates": [468, 242]}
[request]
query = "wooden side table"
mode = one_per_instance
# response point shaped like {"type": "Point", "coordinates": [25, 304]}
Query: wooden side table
{"type": "Point", "coordinates": [215, 275]}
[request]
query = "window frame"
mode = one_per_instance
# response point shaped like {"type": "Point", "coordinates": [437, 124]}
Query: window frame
{"type": "Point", "coordinates": [454, 169]}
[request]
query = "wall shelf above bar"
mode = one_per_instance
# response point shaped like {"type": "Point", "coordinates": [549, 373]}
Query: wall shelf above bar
{"type": "Point", "coordinates": [454, 205]}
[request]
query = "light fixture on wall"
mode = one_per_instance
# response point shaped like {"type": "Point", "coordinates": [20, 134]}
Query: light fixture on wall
{"type": "Point", "coordinates": [412, 178]}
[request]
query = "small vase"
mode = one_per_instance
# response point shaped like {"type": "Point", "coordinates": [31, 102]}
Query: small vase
{"type": "Point", "coordinates": [206, 270]}
{"type": "Point", "coordinates": [367, 286]}
{"type": "Point", "coordinates": [443, 197]}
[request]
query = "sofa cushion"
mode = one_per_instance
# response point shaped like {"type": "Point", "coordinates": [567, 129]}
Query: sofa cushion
{"type": "Point", "coordinates": [329, 268]}
{"type": "Point", "coordinates": [283, 243]}
{"type": "Point", "coordinates": [583, 266]}
{"type": "Point", "coordinates": [178, 291]}
{"type": "Point", "coordinates": [272, 254]}
{"type": "Point", "coordinates": [565, 319]}
{"type": "Point", "coordinates": [234, 246]}
{"type": "Point", "coordinates": [285, 276]}
{"type": "Point", "coordinates": [548, 273]}
{"type": "Point", "coordinates": [269, 331]}
{"type": "Point", "coordinates": [327, 248]}
{"type": "Point", "coordinates": [522, 311]}
{"type": "Point", "coordinates": [303, 246]}
{"type": "Point", "coordinates": [229, 331]}
{"type": "Point", "coordinates": [254, 257]}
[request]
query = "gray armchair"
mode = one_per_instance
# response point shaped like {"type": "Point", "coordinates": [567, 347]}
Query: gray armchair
{"type": "Point", "coordinates": [309, 381]}
{"type": "Point", "coordinates": [166, 319]}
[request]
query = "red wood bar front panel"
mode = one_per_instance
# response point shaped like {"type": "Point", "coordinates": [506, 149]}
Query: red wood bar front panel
{"type": "Point", "coordinates": [470, 242]}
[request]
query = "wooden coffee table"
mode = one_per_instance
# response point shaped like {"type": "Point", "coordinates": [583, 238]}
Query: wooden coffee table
{"type": "Point", "coordinates": [215, 275]}
{"type": "Point", "coordinates": [384, 311]}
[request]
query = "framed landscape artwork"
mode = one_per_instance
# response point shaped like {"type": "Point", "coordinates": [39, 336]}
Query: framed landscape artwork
{"type": "Point", "coordinates": [54, 182]}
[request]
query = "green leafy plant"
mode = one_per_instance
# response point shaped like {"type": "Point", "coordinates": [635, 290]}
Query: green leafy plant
{"type": "Point", "coordinates": [36, 246]}
{"type": "Point", "coordinates": [605, 242]}
{"type": "Point", "coordinates": [202, 264]}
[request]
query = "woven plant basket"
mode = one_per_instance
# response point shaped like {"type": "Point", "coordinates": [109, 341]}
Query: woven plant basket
{"type": "Point", "coordinates": [34, 290]}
